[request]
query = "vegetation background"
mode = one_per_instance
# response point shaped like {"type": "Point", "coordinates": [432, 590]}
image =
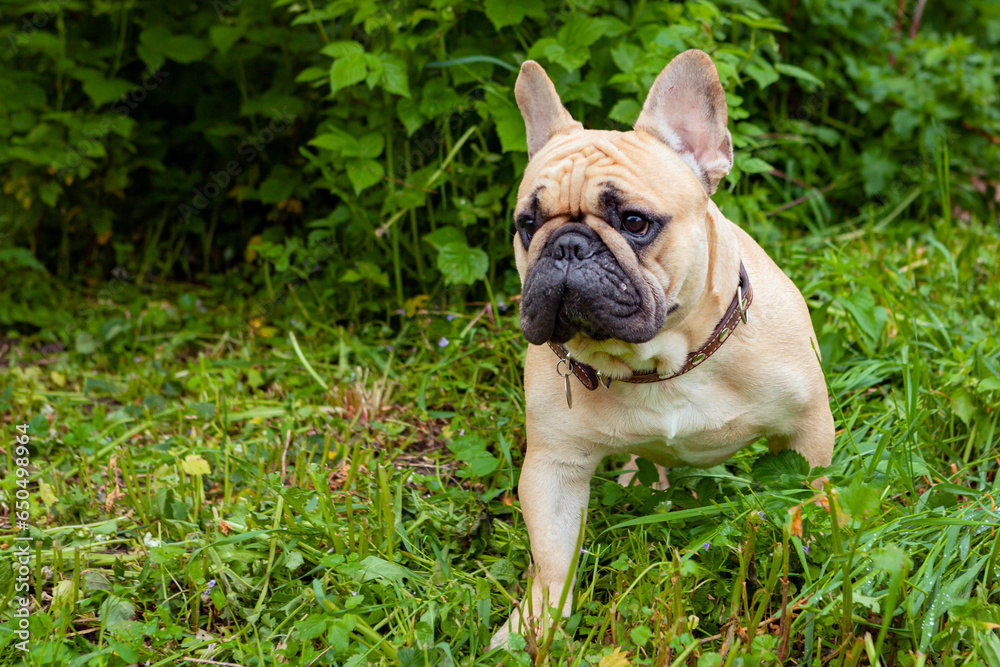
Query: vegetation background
{"type": "Point", "coordinates": [257, 315]}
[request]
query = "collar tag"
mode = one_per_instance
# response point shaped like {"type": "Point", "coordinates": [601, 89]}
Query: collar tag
{"type": "Point", "coordinates": [565, 376]}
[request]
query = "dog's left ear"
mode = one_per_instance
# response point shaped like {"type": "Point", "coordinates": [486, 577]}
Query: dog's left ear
{"type": "Point", "coordinates": [686, 109]}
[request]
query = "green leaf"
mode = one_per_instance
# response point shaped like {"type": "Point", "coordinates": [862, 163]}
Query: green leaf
{"type": "Point", "coordinates": [313, 626]}
{"type": "Point", "coordinates": [410, 116]}
{"type": "Point", "coordinates": [347, 71]}
{"type": "Point", "coordinates": [763, 74]}
{"type": "Point", "coordinates": [335, 140]}
{"type": "Point", "coordinates": [374, 567]}
{"type": "Point", "coordinates": [223, 37]}
{"type": "Point", "coordinates": [503, 13]}
{"type": "Point", "coordinates": [904, 121]}
{"type": "Point", "coordinates": [625, 111]}
{"type": "Point", "coordinates": [99, 89]}
{"type": "Point", "coordinates": [279, 185]}
{"type": "Point", "coordinates": [204, 410]}
{"type": "Point", "coordinates": [583, 30]}
{"type": "Point", "coordinates": [508, 121]}
{"type": "Point", "coordinates": [375, 69]}
{"type": "Point", "coordinates": [443, 236]}
{"type": "Point", "coordinates": [368, 146]}
{"type": "Point", "coordinates": [85, 343]}
{"type": "Point", "coordinates": [870, 318]}
{"type": "Point", "coordinates": [472, 450]}
{"type": "Point", "coordinates": [438, 98]}
{"type": "Point", "coordinates": [891, 559]}
{"type": "Point", "coordinates": [20, 257]}
{"type": "Point", "coordinates": [114, 610]}
{"type": "Point", "coordinates": [152, 46]}
{"type": "Point", "coordinates": [293, 559]}
{"type": "Point", "coordinates": [364, 173]}
{"type": "Point", "coordinates": [798, 73]}
{"type": "Point", "coordinates": [186, 49]}
{"type": "Point", "coordinates": [646, 472]}
{"type": "Point", "coordinates": [126, 652]}
{"type": "Point", "coordinates": [640, 634]}
{"type": "Point", "coordinates": [366, 271]}
{"type": "Point", "coordinates": [988, 384]}
{"type": "Point", "coordinates": [752, 165]}
{"type": "Point", "coordinates": [626, 56]}
{"type": "Point", "coordinates": [342, 49]}
{"type": "Point", "coordinates": [963, 405]}
{"type": "Point", "coordinates": [113, 327]}
{"type": "Point", "coordinates": [462, 265]}
{"type": "Point", "coordinates": [310, 74]}
{"type": "Point", "coordinates": [876, 170]}
{"type": "Point", "coordinates": [95, 581]}
{"type": "Point", "coordinates": [394, 77]}
{"type": "Point", "coordinates": [785, 470]}
{"type": "Point", "coordinates": [860, 500]}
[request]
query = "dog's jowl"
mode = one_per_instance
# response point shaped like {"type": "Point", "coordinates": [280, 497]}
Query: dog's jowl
{"type": "Point", "coordinates": [677, 336]}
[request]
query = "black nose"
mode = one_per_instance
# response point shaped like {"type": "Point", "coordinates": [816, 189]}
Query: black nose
{"type": "Point", "coordinates": [572, 245]}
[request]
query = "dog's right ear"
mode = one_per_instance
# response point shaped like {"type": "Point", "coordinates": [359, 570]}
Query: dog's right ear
{"type": "Point", "coordinates": [543, 112]}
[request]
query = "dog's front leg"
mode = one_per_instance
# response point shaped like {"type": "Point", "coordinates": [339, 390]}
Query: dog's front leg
{"type": "Point", "coordinates": [554, 494]}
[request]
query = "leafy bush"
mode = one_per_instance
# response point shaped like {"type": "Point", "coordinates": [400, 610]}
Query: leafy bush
{"type": "Point", "coordinates": [379, 144]}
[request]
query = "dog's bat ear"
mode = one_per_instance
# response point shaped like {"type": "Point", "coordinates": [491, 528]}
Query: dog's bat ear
{"type": "Point", "coordinates": [686, 109]}
{"type": "Point", "coordinates": [543, 112]}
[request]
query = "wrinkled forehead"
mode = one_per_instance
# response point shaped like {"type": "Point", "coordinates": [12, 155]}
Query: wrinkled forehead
{"type": "Point", "coordinates": [584, 172]}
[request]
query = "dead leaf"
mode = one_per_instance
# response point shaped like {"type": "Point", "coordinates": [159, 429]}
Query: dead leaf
{"type": "Point", "coordinates": [796, 528]}
{"type": "Point", "coordinates": [618, 658]}
{"type": "Point", "coordinates": [109, 501]}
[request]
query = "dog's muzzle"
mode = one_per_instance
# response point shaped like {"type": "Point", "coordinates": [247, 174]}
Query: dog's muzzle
{"type": "Point", "coordinates": [577, 284]}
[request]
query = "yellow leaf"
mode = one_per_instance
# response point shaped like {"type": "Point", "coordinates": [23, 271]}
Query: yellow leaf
{"type": "Point", "coordinates": [412, 305]}
{"type": "Point", "coordinates": [45, 491]}
{"type": "Point", "coordinates": [251, 252]}
{"type": "Point", "coordinates": [194, 464]}
{"type": "Point", "coordinates": [618, 658]}
{"type": "Point", "coordinates": [58, 379]}
{"type": "Point", "coordinates": [267, 332]}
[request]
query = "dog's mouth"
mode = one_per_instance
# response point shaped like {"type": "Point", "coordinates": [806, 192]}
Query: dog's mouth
{"type": "Point", "coordinates": [577, 285]}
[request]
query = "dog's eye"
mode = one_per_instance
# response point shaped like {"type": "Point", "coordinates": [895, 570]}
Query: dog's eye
{"type": "Point", "coordinates": [635, 224]}
{"type": "Point", "coordinates": [528, 225]}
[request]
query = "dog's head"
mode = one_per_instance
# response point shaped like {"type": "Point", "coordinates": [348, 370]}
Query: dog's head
{"type": "Point", "coordinates": [611, 224]}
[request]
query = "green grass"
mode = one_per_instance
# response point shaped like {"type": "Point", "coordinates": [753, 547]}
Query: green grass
{"type": "Point", "coordinates": [205, 492]}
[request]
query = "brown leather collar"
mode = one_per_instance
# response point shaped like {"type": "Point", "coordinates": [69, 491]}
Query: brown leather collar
{"type": "Point", "coordinates": [736, 313]}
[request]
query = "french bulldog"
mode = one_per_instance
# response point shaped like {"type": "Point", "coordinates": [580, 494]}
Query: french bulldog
{"type": "Point", "coordinates": [656, 326]}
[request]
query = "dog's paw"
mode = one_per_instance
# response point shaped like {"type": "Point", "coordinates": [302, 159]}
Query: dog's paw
{"type": "Point", "coordinates": [513, 625]}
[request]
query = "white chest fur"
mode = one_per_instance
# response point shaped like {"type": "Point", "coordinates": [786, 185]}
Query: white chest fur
{"type": "Point", "coordinates": [694, 420]}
